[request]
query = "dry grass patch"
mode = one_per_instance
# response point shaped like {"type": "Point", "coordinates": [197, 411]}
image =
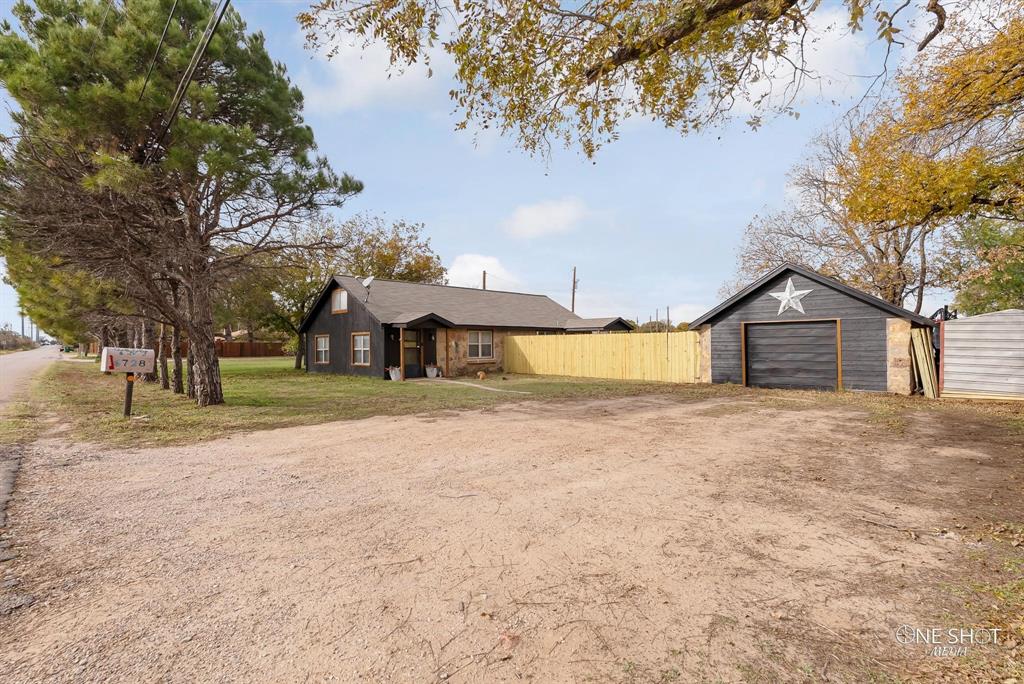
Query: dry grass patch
{"type": "Point", "coordinates": [268, 393]}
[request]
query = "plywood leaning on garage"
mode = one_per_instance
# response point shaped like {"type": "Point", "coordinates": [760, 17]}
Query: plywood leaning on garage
{"type": "Point", "coordinates": [923, 357]}
{"type": "Point", "coordinates": [666, 357]}
{"type": "Point", "coordinates": [983, 356]}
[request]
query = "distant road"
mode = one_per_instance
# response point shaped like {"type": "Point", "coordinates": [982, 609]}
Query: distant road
{"type": "Point", "coordinates": [17, 369]}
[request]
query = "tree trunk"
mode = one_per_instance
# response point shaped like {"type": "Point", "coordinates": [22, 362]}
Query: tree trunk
{"type": "Point", "coordinates": [300, 351]}
{"type": "Point", "coordinates": [177, 384]}
{"type": "Point", "coordinates": [227, 333]}
{"type": "Point", "coordinates": [161, 357]}
{"type": "Point", "coordinates": [149, 341]}
{"type": "Point", "coordinates": [190, 378]}
{"type": "Point", "coordinates": [204, 369]}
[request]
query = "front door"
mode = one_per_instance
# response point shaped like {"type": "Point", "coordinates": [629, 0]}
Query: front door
{"type": "Point", "coordinates": [411, 354]}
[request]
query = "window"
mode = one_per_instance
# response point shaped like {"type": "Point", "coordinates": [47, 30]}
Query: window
{"type": "Point", "coordinates": [323, 348]}
{"type": "Point", "coordinates": [361, 349]}
{"type": "Point", "coordinates": [480, 344]}
{"type": "Point", "coordinates": [339, 301]}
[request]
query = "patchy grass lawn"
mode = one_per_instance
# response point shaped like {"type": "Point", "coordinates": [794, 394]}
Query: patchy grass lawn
{"type": "Point", "coordinates": [20, 422]}
{"type": "Point", "coordinates": [268, 393]}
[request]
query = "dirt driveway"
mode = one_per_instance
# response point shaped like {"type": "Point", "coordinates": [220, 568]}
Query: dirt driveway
{"type": "Point", "coordinates": [626, 540]}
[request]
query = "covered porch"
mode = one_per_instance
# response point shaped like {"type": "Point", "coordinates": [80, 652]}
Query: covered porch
{"type": "Point", "coordinates": [411, 344]}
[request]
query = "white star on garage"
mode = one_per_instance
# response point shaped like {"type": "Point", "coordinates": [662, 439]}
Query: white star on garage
{"type": "Point", "coordinates": [790, 297]}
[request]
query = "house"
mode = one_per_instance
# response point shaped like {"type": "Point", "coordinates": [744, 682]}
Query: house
{"type": "Point", "coordinates": [364, 329]}
{"type": "Point", "coordinates": [797, 328]}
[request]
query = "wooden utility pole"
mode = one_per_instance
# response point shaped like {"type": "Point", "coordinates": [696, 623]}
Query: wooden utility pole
{"type": "Point", "coordinates": [485, 280]}
{"type": "Point", "coordinates": [574, 284]}
{"type": "Point", "coordinates": [668, 326]}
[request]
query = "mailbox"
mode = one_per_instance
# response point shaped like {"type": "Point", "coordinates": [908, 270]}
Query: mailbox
{"type": "Point", "coordinates": [122, 360]}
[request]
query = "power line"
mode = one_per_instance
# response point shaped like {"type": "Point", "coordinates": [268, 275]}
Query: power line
{"type": "Point", "coordinates": [186, 79]}
{"type": "Point", "coordinates": [156, 54]}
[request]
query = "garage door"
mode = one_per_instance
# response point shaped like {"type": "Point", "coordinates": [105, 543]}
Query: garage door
{"type": "Point", "coordinates": [799, 355]}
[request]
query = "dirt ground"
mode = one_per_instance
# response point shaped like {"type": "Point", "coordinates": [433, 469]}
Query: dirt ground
{"type": "Point", "coordinates": [622, 540]}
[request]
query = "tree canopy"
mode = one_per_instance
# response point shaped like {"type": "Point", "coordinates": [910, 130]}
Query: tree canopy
{"type": "Point", "coordinates": [951, 143]}
{"type": "Point", "coordinates": [926, 188]}
{"type": "Point", "coordinates": [98, 177]}
{"type": "Point", "coordinates": [572, 72]}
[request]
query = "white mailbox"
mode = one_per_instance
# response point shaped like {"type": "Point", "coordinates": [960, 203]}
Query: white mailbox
{"type": "Point", "coordinates": [122, 360]}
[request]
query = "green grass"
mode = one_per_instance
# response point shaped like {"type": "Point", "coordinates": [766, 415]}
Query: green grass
{"type": "Point", "coordinates": [268, 393]}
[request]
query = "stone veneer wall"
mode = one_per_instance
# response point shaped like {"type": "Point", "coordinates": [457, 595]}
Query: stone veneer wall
{"type": "Point", "coordinates": [455, 343]}
{"type": "Point", "coordinates": [897, 336]}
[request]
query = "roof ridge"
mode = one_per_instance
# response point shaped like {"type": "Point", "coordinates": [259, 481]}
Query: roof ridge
{"type": "Point", "coordinates": [866, 297]}
{"type": "Point", "coordinates": [454, 287]}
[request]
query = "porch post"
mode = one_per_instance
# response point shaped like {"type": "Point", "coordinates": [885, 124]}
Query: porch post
{"type": "Point", "coordinates": [401, 350]}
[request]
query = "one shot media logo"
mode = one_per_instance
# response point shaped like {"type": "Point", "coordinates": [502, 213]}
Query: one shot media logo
{"type": "Point", "coordinates": [948, 641]}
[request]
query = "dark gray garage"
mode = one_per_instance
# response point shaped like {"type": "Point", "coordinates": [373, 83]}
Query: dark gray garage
{"type": "Point", "coordinates": [794, 328]}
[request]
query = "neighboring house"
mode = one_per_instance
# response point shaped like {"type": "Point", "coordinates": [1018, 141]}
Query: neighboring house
{"type": "Point", "coordinates": [360, 330]}
{"type": "Point", "coordinates": [796, 328]}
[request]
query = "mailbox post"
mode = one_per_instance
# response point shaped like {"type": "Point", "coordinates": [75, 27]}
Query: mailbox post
{"type": "Point", "coordinates": [130, 362]}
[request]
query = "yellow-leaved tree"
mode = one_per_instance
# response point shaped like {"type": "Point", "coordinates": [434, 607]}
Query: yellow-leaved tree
{"type": "Point", "coordinates": [548, 71]}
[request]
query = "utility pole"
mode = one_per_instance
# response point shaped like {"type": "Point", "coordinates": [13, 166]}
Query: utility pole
{"type": "Point", "coordinates": [485, 280]}
{"type": "Point", "coordinates": [574, 284]}
{"type": "Point", "coordinates": [22, 323]}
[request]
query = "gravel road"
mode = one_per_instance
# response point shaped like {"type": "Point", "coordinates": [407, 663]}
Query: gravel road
{"type": "Point", "coordinates": [636, 540]}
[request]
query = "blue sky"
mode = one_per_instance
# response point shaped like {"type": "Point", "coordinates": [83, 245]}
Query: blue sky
{"type": "Point", "coordinates": [653, 221]}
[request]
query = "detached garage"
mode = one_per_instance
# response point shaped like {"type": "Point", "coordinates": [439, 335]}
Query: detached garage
{"type": "Point", "coordinates": [795, 328]}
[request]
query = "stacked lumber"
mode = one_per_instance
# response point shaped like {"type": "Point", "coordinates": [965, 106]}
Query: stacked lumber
{"type": "Point", "coordinates": [923, 357]}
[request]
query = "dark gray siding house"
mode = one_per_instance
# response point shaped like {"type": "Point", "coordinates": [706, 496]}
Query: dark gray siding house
{"type": "Point", "coordinates": [364, 330]}
{"type": "Point", "coordinates": [796, 328]}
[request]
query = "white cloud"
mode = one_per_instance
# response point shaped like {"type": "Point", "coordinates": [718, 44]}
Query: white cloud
{"type": "Point", "coordinates": [359, 77]}
{"type": "Point", "coordinates": [545, 218]}
{"type": "Point", "coordinates": [835, 58]}
{"type": "Point", "coordinates": [467, 270]}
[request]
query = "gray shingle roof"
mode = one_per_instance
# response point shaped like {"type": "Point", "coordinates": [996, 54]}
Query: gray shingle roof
{"type": "Point", "coordinates": [397, 302]}
{"type": "Point", "coordinates": [593, 323]}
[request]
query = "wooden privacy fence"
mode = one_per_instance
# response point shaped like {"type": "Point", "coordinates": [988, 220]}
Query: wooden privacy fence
{"type": "Point", "coordinates": [671, 357]}
{"type": "Point", "coordinates": [226, 350]}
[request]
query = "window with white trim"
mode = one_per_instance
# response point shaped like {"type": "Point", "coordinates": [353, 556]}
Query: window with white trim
{"type": "Point", "coordinates": [339, 301]}
{"type": "Point", "coordinates": [481, 344]}
{"type": "Point", "coordinates": [360, 349]}
{"type": "Point", "coordinates": [323, 348]}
